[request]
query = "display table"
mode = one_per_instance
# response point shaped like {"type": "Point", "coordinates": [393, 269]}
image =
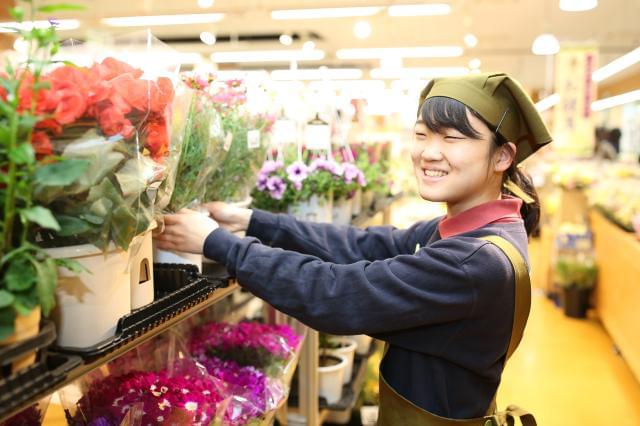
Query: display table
{"type": "Point", "coordinates": [618, 287]}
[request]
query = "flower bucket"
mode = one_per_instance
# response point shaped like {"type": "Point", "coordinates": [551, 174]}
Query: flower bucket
{"type": "Point", "coordinates": [341, 214]}
{"type": "Point", "coordinates": [364, 343]}
{"type": "Point", "coordinates": [367, 200]}
{"type": "Point", "coordinates": [25, 327]}
{"type": "Point", "coordinates": [331, 378]}
{"type": "Point", "coordinates": [316, 209]}
{"type": "Point", "coordinates": [89, 305]}
{"type": "Point", "coordinates": [356, 205]}
{"type": "Point", "coordinates": [348, 350]}
{"type": "Point", "coordinates": [141, 252]}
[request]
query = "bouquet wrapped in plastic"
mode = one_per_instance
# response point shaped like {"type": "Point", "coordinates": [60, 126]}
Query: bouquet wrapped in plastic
{"type": "Point", "coordinates": [245, 142]}
{"type": "Point", "coordinates": [113, 120]}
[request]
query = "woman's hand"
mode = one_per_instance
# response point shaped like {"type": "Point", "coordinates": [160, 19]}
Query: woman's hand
{"type": "Point", "coordinates": [230, 217]}
{"type": "Point", "coordinates": [185, 231]}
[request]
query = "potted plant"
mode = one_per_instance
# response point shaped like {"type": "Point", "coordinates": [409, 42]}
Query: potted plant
{"type": "Point", "coordinates": [344, 188]}
{"type": "Point", "coordinates": [576, 275]}
{"type": "Point", "coordinates": [340, 345]}
{"type": "Point", "coordinates": [331, 371]}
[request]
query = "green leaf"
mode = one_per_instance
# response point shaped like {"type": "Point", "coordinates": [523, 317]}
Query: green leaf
{"type": "Point", "coordinates": [60, 7]}
{"type": "Point", "coordinates": [71, 226]}
{"type": "Point", "coordinates": [46, 284]}
{"type": "Point", "coordinates": [6, 298]}
{"type": "Point", "coordinates": [17, 13]}
{"type": "Point", "coordinates": [41, 216]}
{"type": "Point", "coordinates": [61, 173]}
{"type": "Point", "coordinates": [22, 154]}
{"type": "Point", "coordinates": [21, 307]}
{"type": "Point", "coordinates": [7, 322]}
{"type": "Point", "coordinates": [72, 265]}
{"type": "Point", "coordinates": [20, 275]}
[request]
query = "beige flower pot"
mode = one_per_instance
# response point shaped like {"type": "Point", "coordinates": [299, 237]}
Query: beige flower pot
{"type": "Point", "coordinates": [25, 327]}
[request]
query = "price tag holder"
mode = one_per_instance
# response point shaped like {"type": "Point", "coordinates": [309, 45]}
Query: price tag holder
{"type": "Point", "coordinates": [285, 132]}
{"type": "Point", "coordinates": [317, 136]}
{"type": "Point", "coordinates": [253, 139]}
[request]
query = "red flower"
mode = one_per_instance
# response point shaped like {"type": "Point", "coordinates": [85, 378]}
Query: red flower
{"type": "Point", "coordinates": [163, 96]}
{"type": "Point", "coordinates": [45, 100]}
{"type": "Point", "coordinates": [113, 122]}
{"type": "Point", "coordinates": [41, 144]}
{"type": "Point", "coordinates": [157, 139]}
{"type": "Point", "coordinates": [111, 68]}
{"type": "Point", "coordinates": [51, 125]}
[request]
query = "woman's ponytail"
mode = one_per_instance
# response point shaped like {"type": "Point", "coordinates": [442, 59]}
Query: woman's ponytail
{"type": "Point", "coordinates": [530, 212]}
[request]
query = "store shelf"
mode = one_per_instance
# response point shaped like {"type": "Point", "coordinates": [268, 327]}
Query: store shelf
{"type": "Point", "coordinates": [27, 396]}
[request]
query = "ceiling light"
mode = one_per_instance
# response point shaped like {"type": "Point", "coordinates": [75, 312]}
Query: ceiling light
{"type": "Point", "coordinates": [286, 39]}
{"type": "Point", "coordinates": [475, 63]}
{"type": "Point", "coordinates": [205, 3]}
{"type": "Point", "coordinates": [362, 29]}
{"type": "Point", "coordinates": [577, 5]}
{"type": "Point", "coordinates": [318, 74]}
{"type": "Point", "coordinates": [60, 24]}
{"type": "Point", "coordinates": [208, 38]}
{"type": "Point", "coordinates": [470, 40]}
{"type": "Point", "coordinates": [616, 65]}
{"type": "Point", "coordinates": [614, 101]}
{"type": "Point", "coordinates": [419, 9]}
{"type": "Point", "coordinates": [403, 52]}
{"type": "Point", "coordinates": [417, 73]}
{"type": "Point", "coordinates": [349, 85]}
{"type": "Point", "coordinates": [548, 102]}
{"type": "Point", "coordinates": [545, 44]}
{"type": "Point", "coordinates": [267, 56]}
{"type": "Point", "coordinates": [308, 46]}
{"type": "Point", "coordinates": [145, 21]}
{"type": "Point", "coordinates": [324, 13]}
{"type": "Point", "coordinates": [188, 57]}
{"type": "Point", "coordinates": [241, 75]}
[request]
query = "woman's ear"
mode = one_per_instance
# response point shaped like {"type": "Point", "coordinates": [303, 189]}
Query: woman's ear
{"type": "Point", "coordinates": [505, 156]}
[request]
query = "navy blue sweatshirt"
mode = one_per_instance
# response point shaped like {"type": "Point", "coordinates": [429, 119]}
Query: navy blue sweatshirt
{"type": "Point", "coordinates": [446, 310]}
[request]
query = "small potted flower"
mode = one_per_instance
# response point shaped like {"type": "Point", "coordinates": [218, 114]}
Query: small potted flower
{"type": "Point", "coordinates": [340, 345]}
{"type": "Point", "coordinates": [344, 189]}
{"type": "Point", "coordinates": [332, 368]}
{"type": "Point", "coordinates": [576, 275]}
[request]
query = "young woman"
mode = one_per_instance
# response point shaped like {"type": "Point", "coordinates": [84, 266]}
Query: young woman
{"type": "Point", "coordinates": [448, 298]}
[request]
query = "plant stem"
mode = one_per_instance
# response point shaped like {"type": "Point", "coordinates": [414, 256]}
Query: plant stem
{"type": "Point", "coordinates": [9, 201]}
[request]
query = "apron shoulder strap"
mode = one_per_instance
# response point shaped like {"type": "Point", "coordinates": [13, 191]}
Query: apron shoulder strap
{"type": "Point", "coordinates": [522, 290]}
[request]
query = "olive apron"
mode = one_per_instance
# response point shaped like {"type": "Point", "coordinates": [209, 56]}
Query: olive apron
{"type": "Point", "coordinates": [395, 410]}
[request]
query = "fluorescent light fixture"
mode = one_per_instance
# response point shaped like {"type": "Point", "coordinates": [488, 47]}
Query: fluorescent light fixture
{"type": "Point", "coordinates": [548, 102]}
{"type": "Point", "coordinates": [151, 20]}
{"type": "Point", "coordinates": [614, 101]}
{"type": "Point", "coordinates": [241, 75]}
{"type": "Point", "coordinates": [545, 44]}
{"type": "Point", "coordinates": [189, 57]}
{"type": "Point", "coordinates": [475, 63]}
{"type": "Point", "coordinates": [267, 56]}
{"type": "Point", "coordinates": [391, 62]}
{"type": "Point", "coordinates": [432, 9]}
{"type": "Point", "coordinates": [205, 3]}
{"type": "Point", "coordinates": [317, 74]}
{"type": "Point", "coordinates": [308, 45]}
{"type": "Point", "coordinates": [616, 65]}
{"type": "Point", "coordinates": [362, 29]}
{"type": "Point", "coordinates": [60, 24]}
{"type": "Point", "coordinates": [208, 38]}
{"type": "Point", "coordinates": [349, 85]}
{"type": "Point", "coordinates": [286, 39]}
{"type": "Point", "coordinates": [324, 13]}
{"type": "Point", "coordinates": [402, 52]}
{"type": "Point", "coordinates": [409, 84]}
{"type": "Point", "coordinates": [417, 73]}
{"type": "Point", "coordinates": [577, 5]}
{"type": "Point", "coordinates": [470, 40]}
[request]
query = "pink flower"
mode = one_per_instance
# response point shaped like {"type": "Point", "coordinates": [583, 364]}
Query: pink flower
{"type": "Point", "coordinates": [297, 172]}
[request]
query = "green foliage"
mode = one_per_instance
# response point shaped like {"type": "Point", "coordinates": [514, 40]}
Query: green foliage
{"type": "Point", "coordinates": [578, 271]}
{"type": "Point", "coordinates": [27, 275]}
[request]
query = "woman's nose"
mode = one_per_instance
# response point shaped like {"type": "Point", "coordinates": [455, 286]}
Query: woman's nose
{"type": "Point", "coordinates": [431, 151]}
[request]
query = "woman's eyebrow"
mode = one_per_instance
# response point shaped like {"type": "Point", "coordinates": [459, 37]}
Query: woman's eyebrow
{"type": "Point", "coordinates": [420, 122]}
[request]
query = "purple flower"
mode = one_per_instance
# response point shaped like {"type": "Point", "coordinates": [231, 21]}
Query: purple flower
{"type": "Point", "coordinates": [271, 166]}
{"type": "Point", "coordinates": [297, 185]}
{"type": "Point", "coordinates": [350, 172]}
{"type": "Point", "coordinates": [261, 181]}
{"type": "Point", "coordinates": [326, 165]}
{"type": "Point", "coordinates": [297, 172]}
{"type": "Point", "coordinates": [362, 181]}
{"type": "Point", "coordinates": [276, 187]}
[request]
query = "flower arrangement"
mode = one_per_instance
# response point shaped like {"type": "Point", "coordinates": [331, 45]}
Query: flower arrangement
{"type": "Point", "coordinates": [111, 119]}
{"type": "Point", "coordinates": [264, 346]}
{"type": "Point", "coordinates": [576, 271]}
{"type": "Point", "coordinates": [201, 146]}
{"type": "Point", "coordinates": [233, 180]}
{"type": "Point", "coordinates": [279, 185]}
{"type": "Point", "coordinates": [374, 169]}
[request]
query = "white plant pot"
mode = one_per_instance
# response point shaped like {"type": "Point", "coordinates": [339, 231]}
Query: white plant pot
{"type": "Point", "coordinates": [364, 343]}
{"type": "Point", "coordinates": [180, 257]}
{"type": "Point", "coordinates": [90, 304]}
{"type": "Point", "coordinates": [356, 205]}
{"type": "Point", "coordinates": [348, 350]}
{"type": "Point", "coordinates": [367, 200]}
{"type": "Point", "coordinates": [331, 379]}
{"type": "Point", "coordinates": [316, 209]}
{"type": "Point", "coordinates": [141, 251]}
{"type": "Point", "coordinates": [341, 214]}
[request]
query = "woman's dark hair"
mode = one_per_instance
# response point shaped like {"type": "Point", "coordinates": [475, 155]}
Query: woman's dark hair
{"type": "Point", "coordinates": [439, 113]}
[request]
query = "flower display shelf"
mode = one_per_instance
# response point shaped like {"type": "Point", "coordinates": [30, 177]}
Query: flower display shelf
{"type": "Point", "coordinates": [29, 385]}
{"type": "Point", "coordinates": [40, 341]}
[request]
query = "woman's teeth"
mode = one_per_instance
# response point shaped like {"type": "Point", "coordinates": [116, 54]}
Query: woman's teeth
{"type": "Point", "coordinates": [435, 173]}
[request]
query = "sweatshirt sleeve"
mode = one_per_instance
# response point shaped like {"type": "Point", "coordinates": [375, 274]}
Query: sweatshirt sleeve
{"type": "Point", "coordinates": [429, 287]}
{"type": "Point", "coordinates": [333, 243]}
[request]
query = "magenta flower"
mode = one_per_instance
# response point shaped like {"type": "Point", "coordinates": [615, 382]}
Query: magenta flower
{"type": "Point", "coordinates": [297, 172]}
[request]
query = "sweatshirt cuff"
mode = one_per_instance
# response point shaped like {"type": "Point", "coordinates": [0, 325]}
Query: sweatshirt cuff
{"type": "Point", "coordinates": [218, 244]}
{"type": "Point", "coordinates": [263, 225]}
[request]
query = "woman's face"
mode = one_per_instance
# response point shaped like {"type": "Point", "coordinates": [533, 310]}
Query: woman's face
{"type": "Point", "coordinates": [454, 168]}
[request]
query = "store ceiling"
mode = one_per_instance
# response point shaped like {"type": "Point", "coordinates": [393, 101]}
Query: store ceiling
{"type": "Point", "coordinates": [505, 30]}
